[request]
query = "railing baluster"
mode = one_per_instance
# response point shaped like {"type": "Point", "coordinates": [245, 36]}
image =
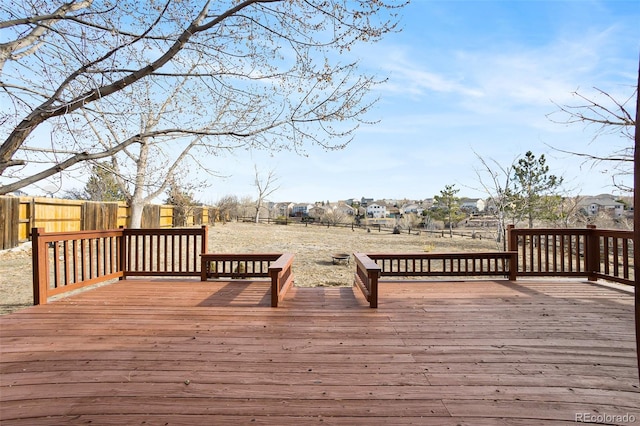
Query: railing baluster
{"type": "Point", "coordinates": [67, 271]}
{"type": "Point", "coordinates": [616, 257]}
{"type": "Point", "coordinates": [56, 264]}
{"type": "Point", "coordinates": [606, 255]}
{"type": "Point", "coordinates": [92, 262]}
{"type": "Point", "coordinates": [546, 252]}
{"type": "Point", "coordinates": [625, 258]}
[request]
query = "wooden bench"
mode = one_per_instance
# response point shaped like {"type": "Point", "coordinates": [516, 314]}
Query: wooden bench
{"type": "Point", "coordinates": [276, 266]}
{"type": "Point", "coordinates": [370, 267]}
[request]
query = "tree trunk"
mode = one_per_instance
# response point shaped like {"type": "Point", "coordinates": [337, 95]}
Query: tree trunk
{"type": "Point", "coordinates": [137, 207]}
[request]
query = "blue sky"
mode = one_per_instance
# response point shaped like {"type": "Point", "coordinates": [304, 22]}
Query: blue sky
{"type": "Point", "coordinates": [467, 77]}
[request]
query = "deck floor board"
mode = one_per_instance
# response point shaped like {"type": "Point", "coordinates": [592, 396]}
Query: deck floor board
{"type": "Point", "coordinates": [436, 353]}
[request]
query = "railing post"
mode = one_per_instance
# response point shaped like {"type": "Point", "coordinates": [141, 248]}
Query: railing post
{"type": "Point", "coordinates": [592, 253]}
{"type": "Point", "coordinates": [512, 242]}
{"type": "Point", "coordinates": [513, 266]}
{"type": "Point", "coordinates": [512, 245]}
{"type": "Point", "coordinates": [275, 286]}
{"type": "Point", "coordinates": [205, 239]}
{"type": "Point", "coordinates": [373, 288]}
{"type": "Point", "coordinates": [40, 266]}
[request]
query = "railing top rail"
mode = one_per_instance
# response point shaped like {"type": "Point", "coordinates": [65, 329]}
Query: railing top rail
{"type": "Point", "coordinates": [448, 255]}
{"type": "Point", "coordinates": [366, 262]}
{"type": "Point", "coordinates": [242, 256]}
{"type": "Point", "coordinates": [78, 235]}
{"type": "Point", "coordinates": [284, 260]}
{"type": "Point", "coordinates": [571, 231]}
{"type": "Point", "coordinates": [618, 233]}
{"type": "Point", "coordinates": [545, 231]}
{"type": "Point", "coordinates": [164, 231]}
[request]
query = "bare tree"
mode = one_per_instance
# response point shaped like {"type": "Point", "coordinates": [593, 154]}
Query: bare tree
{"type": "Point", "coordinates": [28, 43]}
{"type": "Point", "coordinates": [265, 187]}
{"type": "Point", "coordinates": [609, 115]}
{"type": "Point", "coordinates": [180, 196]}
{"type": "Point", "coordinates": [497, 181]}
{"type": "Point", "coordinates": [410, 221]}
{"type": "Point", "coordinates": [264, 68]}
{"type": "Point", "coordinates": [571, 212]}
{"type": "Point", "coordinates": [227, 207]}
{"type": "Point", "coordinates": [334, 215]}
{"type": "Point", "coordinates": [146, 169]}
{"type": "Point", "coordinates": [246, 207]}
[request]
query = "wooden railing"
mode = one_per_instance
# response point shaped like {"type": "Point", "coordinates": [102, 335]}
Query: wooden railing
{"type": "Point", "coordinates": [65, 261]}
{"type": "Point", "coordinates": [370, 267]}
{"type": "Point", "coordinates": [164, 252]}
{"type": "Point", "coordinates": [276, 266]}
{"type": "Point", "coordinates": [218, 265]}
{"type": "Point", "coordinates": [366, 278]}
{"type": "Point", "coordinates": [588, 252]}
{"type": "Point", "coordinates": [614, 259]}
{"type": "Point", "coordinates": [445, 264]}
{"type": "Point", "coordinates": [592, 253]}
{"type": "Point", "coordinates": [281, 273]}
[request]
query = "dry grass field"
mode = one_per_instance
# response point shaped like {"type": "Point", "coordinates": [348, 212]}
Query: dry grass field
{"type": "Point", "coordinates": [312, 245]}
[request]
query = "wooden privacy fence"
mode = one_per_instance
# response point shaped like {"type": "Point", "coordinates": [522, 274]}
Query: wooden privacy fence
{"type": "Point", "coordinates": [9, 222]}
{"type": "Point", "coordinates": [66, 261]}
{"type": "Point", "coordinates": [591, 253]}
{"type": "Point", "coordinates": [18, 215]}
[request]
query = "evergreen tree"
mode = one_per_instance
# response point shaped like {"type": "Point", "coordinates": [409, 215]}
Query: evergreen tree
{"type": "Point", "coordinates": [534, 188]}
{"type": "Point", "coordinates": [447, 207]}
{"type": "Point", "coordinates": [102, 184]}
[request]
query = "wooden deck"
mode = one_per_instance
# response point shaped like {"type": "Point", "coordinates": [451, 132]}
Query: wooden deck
{"type": "Point", "coordinates": [441, 353]}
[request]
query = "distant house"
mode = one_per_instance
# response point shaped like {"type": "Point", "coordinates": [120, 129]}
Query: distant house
{"type": "Point", "coordinates": [411, 208]}
{"type": "Point", "coordinates": [603, 203]}
{"type": "Point", "coordinates": [364, 202]}
{"type": "Point", "coordinates": [377, 211]}
{"type": "Point", "coordinates": [393, 211]}
{"type": "Point", "coordinates": [472, 205]}
{"type": "Point", "coordinates": [427, 203]}
{"type": "Point", "coordinates": [343, 208]}
{"type": "Point", "coordinates": [301, 210]}
{"type": "Point", "coordinates": [317, 211]}
{"type": "Point", "coordinates": [282, 208]}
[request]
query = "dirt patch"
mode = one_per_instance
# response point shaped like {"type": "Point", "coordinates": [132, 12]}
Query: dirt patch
{"type": "Point", "coordinates": [16, 288]}
{"type": "Point", "coordinates": [312, 245]}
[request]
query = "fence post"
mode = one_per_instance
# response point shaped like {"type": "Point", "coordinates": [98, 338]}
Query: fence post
{"type": "Point", "coordinates": [40, 266]}
{"type": "Point", "coordinates": [592, 253]}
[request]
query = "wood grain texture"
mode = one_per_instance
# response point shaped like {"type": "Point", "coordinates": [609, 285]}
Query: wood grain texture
{"type": "Point", "coordinates": [178, 351]}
